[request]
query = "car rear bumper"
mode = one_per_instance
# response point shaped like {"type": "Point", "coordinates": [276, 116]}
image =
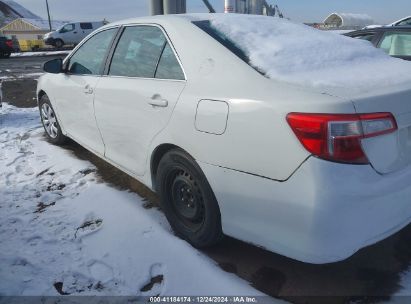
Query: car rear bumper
{"type": "Point", "coordinates": [323, 213]}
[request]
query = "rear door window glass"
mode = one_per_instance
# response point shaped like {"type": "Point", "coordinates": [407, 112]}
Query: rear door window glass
{"type": "Point", "coordinates": [138, 52]}
{"type": "Point", "coordinates": [169, 67]}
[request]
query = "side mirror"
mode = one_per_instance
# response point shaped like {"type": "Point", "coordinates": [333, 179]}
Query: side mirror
{"type": "Point", "coordinates": [54, 66]}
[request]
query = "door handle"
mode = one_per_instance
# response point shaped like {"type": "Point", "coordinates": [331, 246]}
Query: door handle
{"type": "Point", "coordinates": [88, 89]}
{"type": "Point", "coordinates": [157, 101]}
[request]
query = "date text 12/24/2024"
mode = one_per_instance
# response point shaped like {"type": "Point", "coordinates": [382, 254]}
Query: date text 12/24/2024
{"type": "Point", "coordinates": [205, 299]}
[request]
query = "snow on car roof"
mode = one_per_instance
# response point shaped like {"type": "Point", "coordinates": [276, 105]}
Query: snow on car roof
{"type": "Point", "coordinates": [302, 55]}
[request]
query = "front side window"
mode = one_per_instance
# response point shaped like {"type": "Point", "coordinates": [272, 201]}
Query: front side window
{"type": "Point", "coordinates": [138, 52]}
{"type": "Point", "coordinates": [89, 59]}
{"type": "Point", "coordinates": [397, 44]}
{"type": "Point", "coordinates": [67, 28]}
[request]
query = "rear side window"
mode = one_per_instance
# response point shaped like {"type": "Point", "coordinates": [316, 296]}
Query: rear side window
{"type": "Point", "coordinates": [168, 66]}
{"type": "Point", "coordinates": [89, 59]}
{"type": "Point", "coordinates": [86, 26]}
{"type": "Point", "coordinates": [396, 44]}
{"type": "Point", "coordinates": [138, 52]}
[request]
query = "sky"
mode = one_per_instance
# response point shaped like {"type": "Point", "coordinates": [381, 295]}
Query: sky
{"type": "Point", "coordinates": [382, 11]}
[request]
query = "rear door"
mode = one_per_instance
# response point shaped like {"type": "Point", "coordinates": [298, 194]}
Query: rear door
{"type": "Point", "coordinates": [136, 98]}
{"type": "Point", "coordinates": [74, 95]}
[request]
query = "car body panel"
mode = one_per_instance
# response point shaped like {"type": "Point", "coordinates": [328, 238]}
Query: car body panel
{"type": "Point", "coordinates": [324, 213]}
{"type": "Point", "coordinates": [270, 190]}
{"type": "Point", "coordinates": [127, 120]}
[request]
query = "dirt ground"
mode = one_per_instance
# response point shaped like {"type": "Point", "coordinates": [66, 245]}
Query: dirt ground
{"type": "Point", "coordinates": [371, 275]}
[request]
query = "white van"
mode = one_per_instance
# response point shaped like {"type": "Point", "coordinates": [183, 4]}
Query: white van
{"type": "Point", "coordinates": [71, 33]}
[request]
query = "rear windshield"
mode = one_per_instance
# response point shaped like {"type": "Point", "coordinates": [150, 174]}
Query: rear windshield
{"type": "Point", "coordinates": [206, 26]}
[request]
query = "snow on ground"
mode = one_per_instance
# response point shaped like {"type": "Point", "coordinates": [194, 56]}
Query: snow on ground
{"type": "Point", "coordinates": [302, 55]}
{"type": "Point", "coordinates": [64, 231]}
{"type": "Point", "coordinates": [21, 76]}
{"type": "Point", "coordinates": [44, 53]}
{"type": "Point", "coordinates": [404, 294]}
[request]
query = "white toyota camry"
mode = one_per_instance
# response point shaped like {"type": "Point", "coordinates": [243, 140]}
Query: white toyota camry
{"type": "Point", "coordinates": [293, 139]}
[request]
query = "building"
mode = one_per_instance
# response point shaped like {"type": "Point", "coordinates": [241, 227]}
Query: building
{"type": "Point", "coordinates": [347, 21]}
{"type": "Point", "coordinates": [29, 29]}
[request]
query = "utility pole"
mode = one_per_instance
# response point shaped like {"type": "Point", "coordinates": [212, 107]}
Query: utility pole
{"type": "Point", "coordinates": [209, 6]}
{"type": "Point", "coordinates": [48, 15]}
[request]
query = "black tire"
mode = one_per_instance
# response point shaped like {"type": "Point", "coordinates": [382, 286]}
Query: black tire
{"type": "Point", "coordinates": [49, 119]}
{"type": "Point", "coordinates": [58, 43]}
{"type": "Point", "coordinates": [180, 182]}
{"type": "Point", "coordinates": [6, 55]}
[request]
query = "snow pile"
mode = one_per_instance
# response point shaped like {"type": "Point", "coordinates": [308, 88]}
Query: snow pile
{"type": "Point", "coordinates": [302, 55]}
{"type": "Point", "coordinates": [10, 10]}
{"type": "Point", "coordinates": [45, 53]}
{"type": "Point", "coordinates": [20, 10]}
{"type": "Point", "coordinates": [62, 231]}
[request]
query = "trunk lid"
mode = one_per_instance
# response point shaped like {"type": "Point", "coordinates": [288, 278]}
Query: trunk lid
{"type": "Point", "coordinates": [391, 152]}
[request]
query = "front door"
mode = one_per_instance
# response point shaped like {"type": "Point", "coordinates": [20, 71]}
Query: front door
{"type": "Point", "coordinates": [134, 102]}
{"type": "Point", "coordinates": [75, 96]}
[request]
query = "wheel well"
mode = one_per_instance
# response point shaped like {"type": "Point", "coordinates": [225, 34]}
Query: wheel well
{"type": "Point", "coordinates": [41, 94]}
{"type": "Point", "coordinates": [157, 155]}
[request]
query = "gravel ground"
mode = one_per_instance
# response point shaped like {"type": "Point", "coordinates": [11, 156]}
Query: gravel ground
{"type": "Point", "coordinates": [373, 274]}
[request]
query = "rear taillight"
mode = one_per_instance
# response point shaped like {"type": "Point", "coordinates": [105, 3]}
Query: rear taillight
{"type": "Point", "coordinates": [9, 43]}
{"type": "Point", "coordinates": [337, 137]}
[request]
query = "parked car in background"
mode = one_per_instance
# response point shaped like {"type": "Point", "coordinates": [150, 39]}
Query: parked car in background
{"type": "Point", "coordinates": [259, 128]}
{"type": "Point", "coordinates": [402, 22]}
{"type": "Point", "coordinates": [6, 47]}
{"type": "Point", "coordinates": [395, 41]}
{"type": "Point", "coordinates": [71, 33]}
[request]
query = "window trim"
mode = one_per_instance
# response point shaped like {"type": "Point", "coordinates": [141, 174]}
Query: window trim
{"type": "Point", "coordinates": [168, 40]}
{"type": "Point", "coordinates": [66, 61]}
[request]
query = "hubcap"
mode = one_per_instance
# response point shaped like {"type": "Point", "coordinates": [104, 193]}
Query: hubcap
{"type": "Point", "coordinates": [187, 200]}
{"type": "Point", "coordinates": [49, 120]}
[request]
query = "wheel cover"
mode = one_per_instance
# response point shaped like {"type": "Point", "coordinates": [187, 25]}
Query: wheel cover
{"type": "Point", "coordinates": [49, 120]}
{"type": "Point", "coordinates": [186, 199]}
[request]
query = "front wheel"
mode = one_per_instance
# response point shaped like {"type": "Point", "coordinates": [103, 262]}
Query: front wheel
{"type": "Point", "coordinates": [58, 43]}
{"type": "Point", "coordinates": [188, 200]}
{"type": "Point", "coordinates": [50, 122]}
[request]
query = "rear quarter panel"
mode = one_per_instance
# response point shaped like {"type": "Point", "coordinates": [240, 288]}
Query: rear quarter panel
{"type": "Point", "coordinates": [258, 139]}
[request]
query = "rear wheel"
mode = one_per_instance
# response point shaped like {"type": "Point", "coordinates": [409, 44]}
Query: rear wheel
{"type": "Point", "coordinates": [188, 200]}
{"type": "Point", "coordinates": [50, 122]}
{"type": "Point", "coordinates": [6, 55]}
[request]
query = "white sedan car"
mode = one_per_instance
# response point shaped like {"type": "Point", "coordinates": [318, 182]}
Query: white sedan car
{"type": "Point", "coordinates": [268, 131]}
